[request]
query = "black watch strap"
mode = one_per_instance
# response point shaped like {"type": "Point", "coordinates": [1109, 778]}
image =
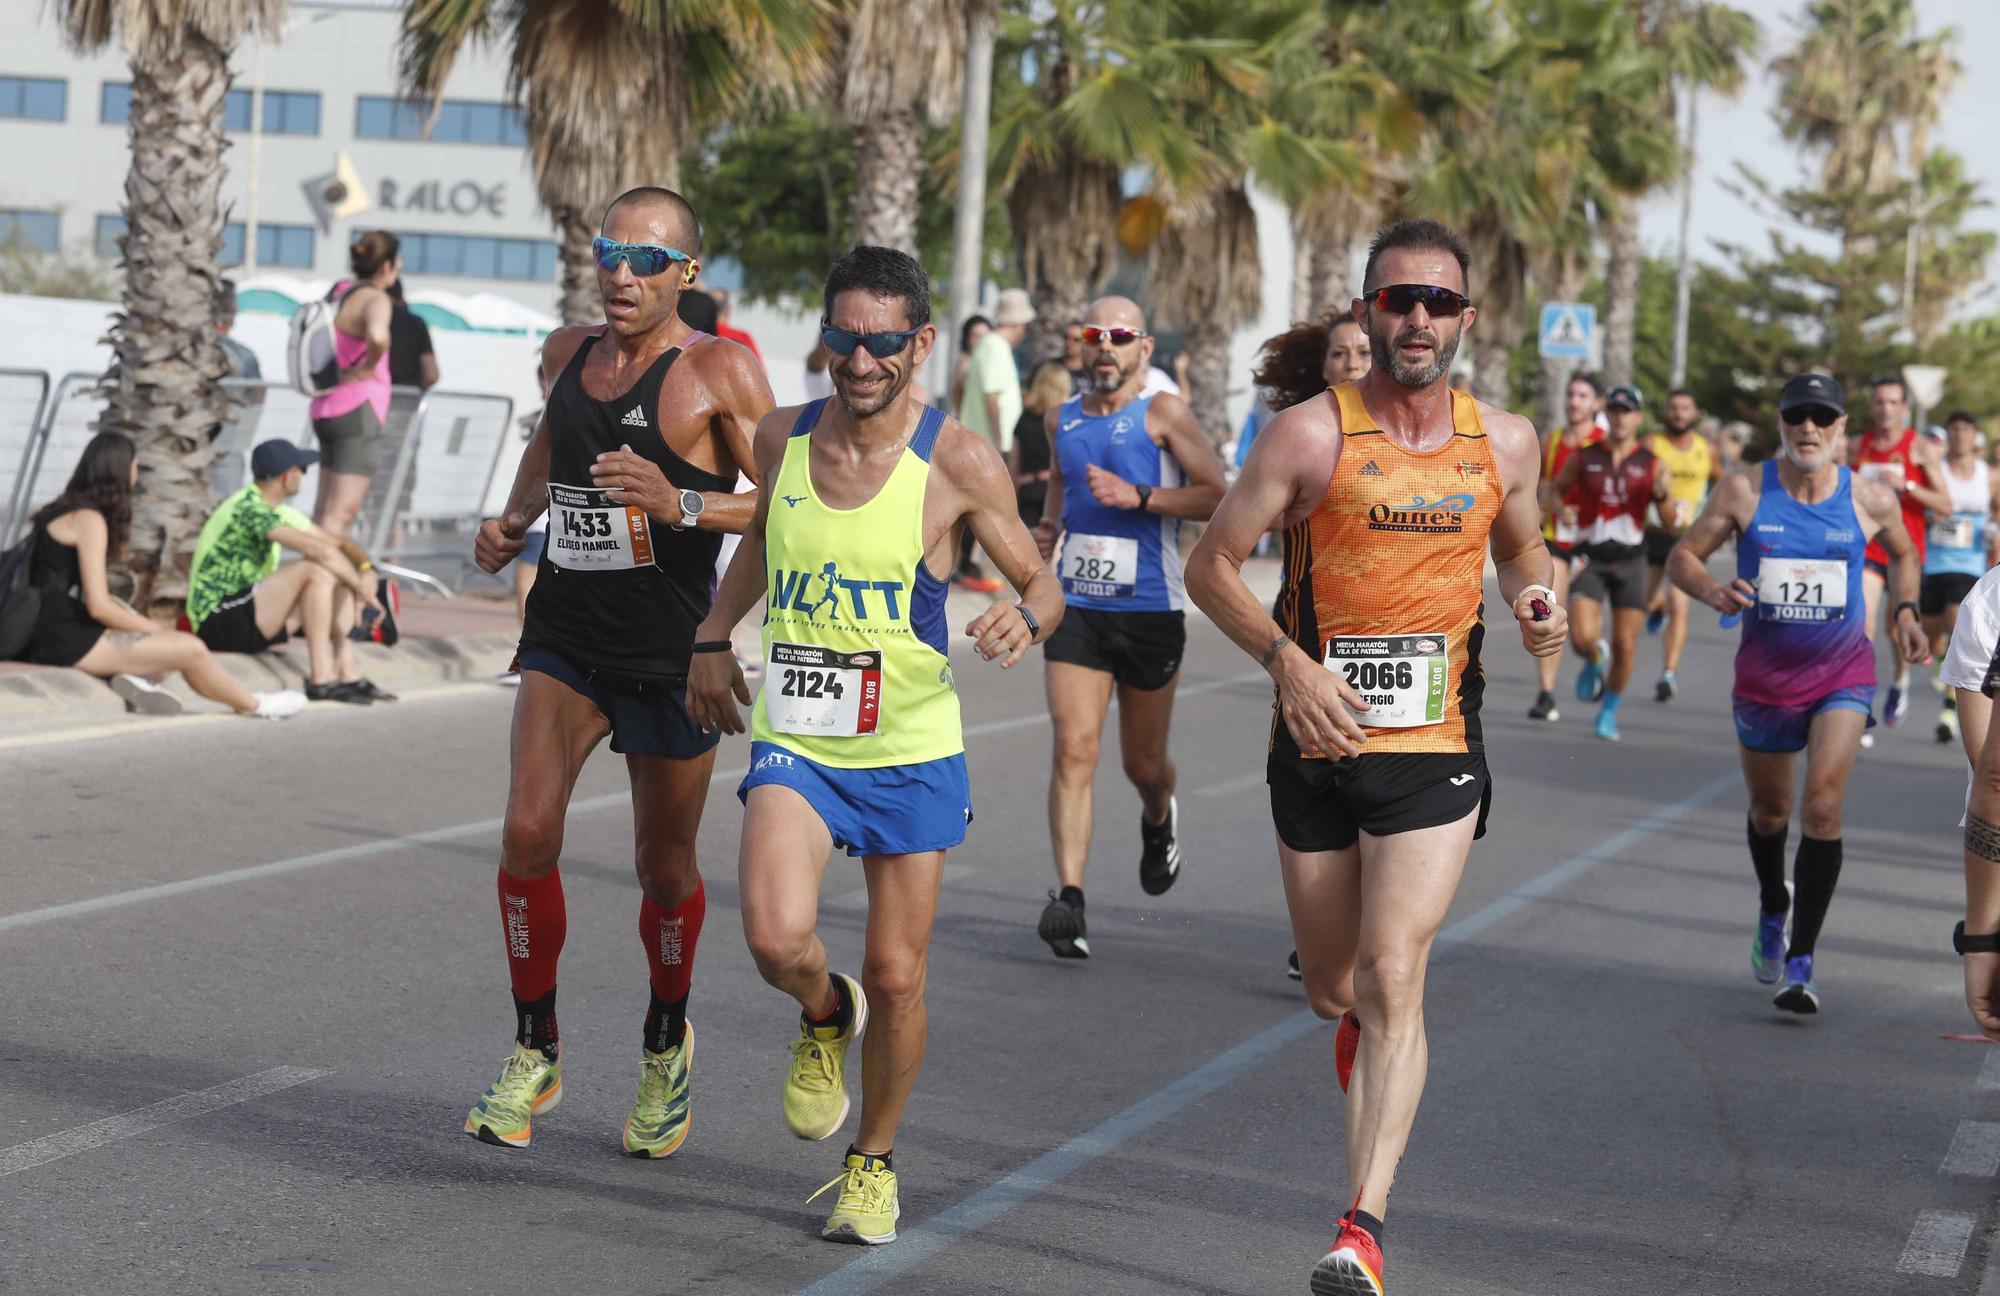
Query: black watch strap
{"type": "Point", "coordinates": [1963, 944]}
{"type": "Point", "coordinates": [1145, 495]}
{"type": "Point", "coordinates": [1034, 626]}
{"type": "Point", "coordinates": [1914, 610]}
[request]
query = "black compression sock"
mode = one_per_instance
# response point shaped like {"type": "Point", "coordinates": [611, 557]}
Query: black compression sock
{"type": "Point", "coordinates": [1767, 856]}
{"type": "Point", "coordinates": [535, 1023]}
{"type": "Point", "coordinates": [1370, 1225]}
{"type": "Point", "coordinates": [1815, 874]}
{"type": "Point", "coordinates": [666, 1023]}
{"type": "Point", "coordinates": [1071, 895]}
{"type": "Point", "coordinates": [843, 1009]}
{"type": "Point", "coordinates": [885, 1161]}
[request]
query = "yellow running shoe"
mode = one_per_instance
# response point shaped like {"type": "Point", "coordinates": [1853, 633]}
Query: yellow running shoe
{"type": "Point", "coordinates": [664, 1110]}
{"type": "Point", "coordinates": [866, 1210]}
{"type": "Point", "coordinates": [530, 1083]}
{"type": "Point", "coordinates": [816, 1086]}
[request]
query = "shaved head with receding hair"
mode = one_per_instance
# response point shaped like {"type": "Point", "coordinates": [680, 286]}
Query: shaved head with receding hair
{"type": "Point", "coordinates": [1110, 367]}
{"type": "Point", "coordinates": [678, 211]}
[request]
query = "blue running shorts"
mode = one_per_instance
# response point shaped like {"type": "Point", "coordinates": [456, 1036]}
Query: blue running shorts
{"type": "Point", "coordinates": [891, 810]}
{"type": "Point", "coordinates": [1764, 728]}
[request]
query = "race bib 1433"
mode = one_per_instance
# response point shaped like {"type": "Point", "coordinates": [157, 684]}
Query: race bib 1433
{"type": "Point", "coordinates": [587, 532]}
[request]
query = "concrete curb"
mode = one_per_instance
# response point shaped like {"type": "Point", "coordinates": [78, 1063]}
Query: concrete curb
{"type": "Point", "coordinates": [59, 698]}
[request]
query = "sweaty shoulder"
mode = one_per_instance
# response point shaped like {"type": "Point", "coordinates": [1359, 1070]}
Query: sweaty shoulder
{"type": "Point", "coordinates": [966, 458]}
{"type": "Point", "coordinates": [1515, 446]}
{"type": "Point", "coordinates": [1875, 498]}
{"type": "Point", "coordinates": [561, 346]}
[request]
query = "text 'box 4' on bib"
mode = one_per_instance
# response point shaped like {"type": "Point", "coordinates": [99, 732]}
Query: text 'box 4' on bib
{"type": "Point", "coordinates": [1402, 678]}
{"type": "Point", "coordinates": [587, 532]}
{"type": "Point", "coordinates": [814, 690]}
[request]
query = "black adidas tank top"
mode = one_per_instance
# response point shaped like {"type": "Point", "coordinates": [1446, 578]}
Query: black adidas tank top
{"type": "Point", "coordinates": [617, 593]}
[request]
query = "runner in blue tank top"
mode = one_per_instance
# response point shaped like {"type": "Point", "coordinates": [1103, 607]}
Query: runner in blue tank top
{"type": "Point", "coordinates": [1805, 673]}
{"type": "Point", "coordinates": [1126, 470]}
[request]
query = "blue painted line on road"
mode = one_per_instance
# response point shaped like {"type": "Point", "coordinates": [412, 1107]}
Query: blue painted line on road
{"type": "Point", "coordinates": [877, 1266]}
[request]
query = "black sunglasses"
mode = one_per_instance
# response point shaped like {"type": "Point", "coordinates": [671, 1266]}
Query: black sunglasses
{"type": "Point", "coordinates": [1819, 415]}
{"type": "Point", "coordinates": [1404, 298]}
{"type": "Point", "coordinates": [880, 345]}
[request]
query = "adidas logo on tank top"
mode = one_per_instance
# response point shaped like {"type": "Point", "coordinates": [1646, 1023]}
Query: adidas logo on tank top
{"type": "Point", "coordinates": [635, 417]}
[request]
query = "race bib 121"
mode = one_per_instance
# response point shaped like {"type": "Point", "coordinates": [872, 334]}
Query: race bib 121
{"type": "Point", "coordinates": [1801, 589]}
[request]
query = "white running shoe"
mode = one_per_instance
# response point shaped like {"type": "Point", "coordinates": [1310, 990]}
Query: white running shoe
{"type": "Point", "coordinates": [143, 697]}
{"type": "Point", "coordinates": [281, 705]}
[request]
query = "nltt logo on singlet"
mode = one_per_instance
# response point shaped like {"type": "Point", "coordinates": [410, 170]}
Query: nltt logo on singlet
{"type": "Point", "coordinates": [826, 597]}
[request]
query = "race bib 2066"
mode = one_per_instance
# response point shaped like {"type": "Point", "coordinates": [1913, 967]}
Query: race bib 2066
{"type": "Point", "coordinates": [1402, 678]}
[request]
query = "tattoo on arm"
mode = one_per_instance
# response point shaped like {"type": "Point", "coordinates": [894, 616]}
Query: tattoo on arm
{"type": "Point", "coordinates": [1277, 646]}
{"type": "Point", "coordinates": [1982, 838]}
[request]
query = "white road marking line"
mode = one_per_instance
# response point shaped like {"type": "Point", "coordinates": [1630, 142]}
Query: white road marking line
{"type": "Point", "coordinates": [1229, 787]}
{"type": "Point", "coordinates": [481, 827]}
{"type": "Point", "coordinates": [1975, 1150]}
{"type": "Point", "coordinates": [1937, 1244]}
{"type": "Point", "coordinates": [1989, 1072]}
{"type": "Point", "coordinates": [69, 1142]}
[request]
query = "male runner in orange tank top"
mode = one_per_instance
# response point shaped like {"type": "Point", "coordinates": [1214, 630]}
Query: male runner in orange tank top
{"type": "Point", "coordinates": [1392, 491]}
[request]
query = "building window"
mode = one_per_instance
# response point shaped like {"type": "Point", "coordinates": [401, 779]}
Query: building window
{"type": "Point", "coordinates": [291, 112]}
{"type": "Point", "coordinates": [109, 230]}
{"type": "Point", "coordinates": [232, 245]}
{"type": "Point", "coordinates": [40, 230]}
{"type": "Point", "coordinates": [116, 108]}
{"type": "Point", "coordinates": [478, 257]}
{"type": "Point", "coordinates": [36, 98]}
{"type": "Point", "coordinates": [284, 245]}
{"type": "Point", "coordinates": [459, 121]}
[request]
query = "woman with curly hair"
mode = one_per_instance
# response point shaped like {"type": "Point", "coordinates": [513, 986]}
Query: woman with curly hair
{"type": "Point", "coordinates": [1302, 362]}
{"type": "Point", "coordinates": [77, 536]}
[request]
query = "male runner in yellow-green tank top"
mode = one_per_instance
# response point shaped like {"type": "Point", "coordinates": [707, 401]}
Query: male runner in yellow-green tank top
{"type": "Point", "coordinates": [855, 738]}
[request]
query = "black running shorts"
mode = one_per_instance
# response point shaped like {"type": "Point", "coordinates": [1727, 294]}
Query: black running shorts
{"type": "Point", "coordinates": [232, 627]}
{"type": "Point", "coordinates": [1325, 805]}
{"type": "Point", "coordinates": [1140, 650]}
{"type": "Point", "coordinates": [1941, 590]}
{"type": "Point", "coordinates": [1658, 545]}
{"type": "Point", "coordinates": [1622, 580]}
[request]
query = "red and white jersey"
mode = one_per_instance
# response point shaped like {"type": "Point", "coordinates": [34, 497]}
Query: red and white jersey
{"type": "Point", "coordinates": [1893, 463]}
{"type": "Point", "coordinates": [1613, 498]}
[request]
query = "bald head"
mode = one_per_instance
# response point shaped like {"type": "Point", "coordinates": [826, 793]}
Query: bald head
{"type": "Point", "coordinates": [1117, 369]}
{"type": "Point", "coordinates": [1115, 312]}
{"type": "Point", "coordinates": [668, 217]}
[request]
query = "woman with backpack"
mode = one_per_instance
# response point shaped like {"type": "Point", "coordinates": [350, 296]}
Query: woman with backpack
{"type": "Point", "coordinates": [349, 419]}
{"type": "Point", "coordinates": [75, 538]}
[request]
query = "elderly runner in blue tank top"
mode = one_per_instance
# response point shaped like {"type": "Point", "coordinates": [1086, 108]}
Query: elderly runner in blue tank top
{"type": "Point", "coordinates": [635, 460]}
{"type": "Point", "coordinates": [1127, 468]}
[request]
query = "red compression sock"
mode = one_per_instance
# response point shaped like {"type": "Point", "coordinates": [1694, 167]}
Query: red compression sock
{"type": "Point", "coordinates": [670, 936]}
{"type": "Point", "coordinates": [534, 922]}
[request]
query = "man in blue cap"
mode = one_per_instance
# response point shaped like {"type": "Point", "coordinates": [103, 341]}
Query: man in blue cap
{"type": "Point", "coordinates": [241, 600]}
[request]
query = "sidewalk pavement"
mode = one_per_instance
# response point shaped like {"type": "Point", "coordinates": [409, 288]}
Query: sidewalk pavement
{"type": "Point", "coordinates": [445, 641]}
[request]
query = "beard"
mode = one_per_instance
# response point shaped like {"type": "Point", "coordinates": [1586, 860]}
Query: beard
{"type": "Point", "coordinates": [892, 391]}
{"type": "Point", "coordinates": [1102, 382]}
{"type": "Point", "coordinates": [1414, 377]}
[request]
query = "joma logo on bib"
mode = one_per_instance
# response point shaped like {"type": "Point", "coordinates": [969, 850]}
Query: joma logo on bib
{"type": "Point", "coordinates": [825, 596]}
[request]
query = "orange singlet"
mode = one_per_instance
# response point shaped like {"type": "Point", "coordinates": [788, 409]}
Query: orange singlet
{"type": "Point", "coordinates": [1383, 579]}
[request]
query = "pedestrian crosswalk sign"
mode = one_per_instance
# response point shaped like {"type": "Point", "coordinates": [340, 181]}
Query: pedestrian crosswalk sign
{"type": "Point", "coordinates": [1567, 329]}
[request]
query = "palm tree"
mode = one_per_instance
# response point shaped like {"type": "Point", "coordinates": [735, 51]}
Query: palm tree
{"type": "Point", "coordinates": [161, 389]}
{"type": "Point", "coordinates": [903, 62]}
{"type": "Point", "coordinates": [1694, 45]}
{"type": "Point", "coordinates": [614, 90]}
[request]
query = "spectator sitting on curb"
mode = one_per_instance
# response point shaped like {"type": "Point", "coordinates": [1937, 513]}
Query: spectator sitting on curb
{"type": "Point", "coordinates": [240, 600]}
{"type": "Point", "coordinates": [77, 536]}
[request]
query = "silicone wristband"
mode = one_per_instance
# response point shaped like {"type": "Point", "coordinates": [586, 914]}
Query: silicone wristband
{"type": "Point", "coordinates": [714, 645]}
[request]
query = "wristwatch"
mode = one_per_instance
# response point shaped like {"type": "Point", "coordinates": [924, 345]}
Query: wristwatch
{"type": "Point", "coordinates": [691, 506]}
{"type": "Point", "coordinates": [1914, 611]}
{"type": "Point", "coordinates": [1963, 944]}
{"type": "Point", "coordinates": [1034, 626]}
{"type": "Point", "coordinates": [1145, 494]}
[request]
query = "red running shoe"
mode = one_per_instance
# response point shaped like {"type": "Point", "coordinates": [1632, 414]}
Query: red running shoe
{"type": "Point", "coordinates": [1346, 1042]}
{"type": "Point", "coordinates": [1352, 1268]}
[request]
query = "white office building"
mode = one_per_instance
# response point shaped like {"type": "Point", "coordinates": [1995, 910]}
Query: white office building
{"type": "Point", "coordinates": [320, 99]}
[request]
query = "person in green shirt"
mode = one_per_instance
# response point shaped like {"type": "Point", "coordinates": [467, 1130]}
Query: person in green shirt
{"type": "Point", "coordinates": [990, 405]}
{"type": "Point", "coordinates": [241, 600]}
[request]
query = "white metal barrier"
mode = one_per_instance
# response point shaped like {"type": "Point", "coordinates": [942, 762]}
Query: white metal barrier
{"type": "Point", "coordinates": [439, 480]}
{"type": "Point", "coordinates": [24, 395]}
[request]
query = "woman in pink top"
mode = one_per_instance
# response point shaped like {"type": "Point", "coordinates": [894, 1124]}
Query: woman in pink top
{"type": "Point", "coordinates": [348, 420]}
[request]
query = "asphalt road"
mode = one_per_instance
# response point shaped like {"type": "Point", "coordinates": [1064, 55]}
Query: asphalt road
{"type": "Point", "coordinates": [253, 978]}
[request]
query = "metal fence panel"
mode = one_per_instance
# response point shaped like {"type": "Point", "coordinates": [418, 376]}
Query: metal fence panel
{"type": "Point", "coordinates": [24, 395]}
{"type": "Point", "coordinates": [441, 477]}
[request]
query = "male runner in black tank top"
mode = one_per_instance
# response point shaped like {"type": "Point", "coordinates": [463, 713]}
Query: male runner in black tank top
{"type": "Point", "coordinates": [647, 425]}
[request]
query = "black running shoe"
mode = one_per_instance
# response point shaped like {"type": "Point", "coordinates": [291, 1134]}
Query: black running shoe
{"type": "Point", "coordinates": [1062, 928]}
{"type": "Point", "coordinates": [339, 692]}
{"type": "Point", "coordinates": [375, 692]}
{"type": "Point", "coordinates": [1292, 967]}
{"type": "Point", "coordinates": [1544, 708]}
{"type": "Point", "coordinates": [1160, 863]}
